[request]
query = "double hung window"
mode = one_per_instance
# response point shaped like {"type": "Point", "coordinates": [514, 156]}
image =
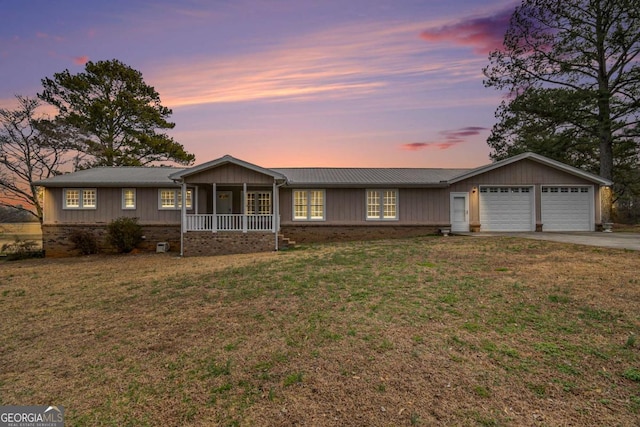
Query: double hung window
{"type": "Point", "coordinates": [309, 205]}
{"type": "Point", "coordinates": [382, 204]}
{"type": "Point", "coordinates": [128, 198]}
{"type": "Point", "coordinates": [171, 198]}
{"type": "Point", "coordinates": [80, 198]}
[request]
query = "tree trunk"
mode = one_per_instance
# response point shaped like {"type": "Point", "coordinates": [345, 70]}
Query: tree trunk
{"type": "Point", "coordinates": [605, 135]}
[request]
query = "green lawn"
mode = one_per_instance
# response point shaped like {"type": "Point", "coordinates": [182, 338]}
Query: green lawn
{"type": "Point", "coordinates": [426, 331]}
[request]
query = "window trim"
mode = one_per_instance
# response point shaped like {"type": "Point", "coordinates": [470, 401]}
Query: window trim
{"type": "Point", "coordinates": [381, 207]}
{"type": "Point", "coordinates": [308, 208]}
{"type": "Point", "coordinates": [256, 202]}
{"type": "Point", "coordinates": [177, 202]}
{"type": "Point", "coordinates": [124, 199]}
{"type": "Point", "coordinates": [81, 199]}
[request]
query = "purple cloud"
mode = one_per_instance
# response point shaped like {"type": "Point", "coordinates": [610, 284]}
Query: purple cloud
{"type": "Point", "coordinates": [450, 138]}
{"type": "Point", "coordinates": [484, 34]}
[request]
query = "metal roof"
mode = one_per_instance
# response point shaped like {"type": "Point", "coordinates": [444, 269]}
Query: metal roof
{"type": "Point", "coordinates": [368, 176]}
{"type": "Point", "coordinates": [115, 177]}
{"type": "Point", "coordinates": [418, 177]}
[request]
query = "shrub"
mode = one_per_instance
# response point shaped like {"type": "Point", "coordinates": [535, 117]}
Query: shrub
{"type": "Point", "coordinates": [124, 234]}
{"type": "Point", "coordinates": [84, 241]}
{"type": "Point", "coordinates": [22, 249]}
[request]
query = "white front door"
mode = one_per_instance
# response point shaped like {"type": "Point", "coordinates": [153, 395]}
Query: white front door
{"type": "Point", "coordinates": [459, 212]}
{"type": "Point", "coordinates": [224, 202]}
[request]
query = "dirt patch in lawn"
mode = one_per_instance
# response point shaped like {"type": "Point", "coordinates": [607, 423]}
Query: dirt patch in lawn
{"type": "Point", "coordinates": [430, 331]}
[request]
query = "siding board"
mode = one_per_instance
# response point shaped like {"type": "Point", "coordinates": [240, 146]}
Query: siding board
{"type": "Point", "coordinates": [229, 174]}
{"type": "Point", "coordinates": [108, 208]}
{"type": "Point", "coordinates": [525, 172]}
{"type": "Point", "coordinates": [348, 206]}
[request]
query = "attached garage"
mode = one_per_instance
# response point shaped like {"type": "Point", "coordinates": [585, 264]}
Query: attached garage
{"type": "Point", "coordinates": [567, 208]}
{"type": "Point", "coordinates": [507, 209]}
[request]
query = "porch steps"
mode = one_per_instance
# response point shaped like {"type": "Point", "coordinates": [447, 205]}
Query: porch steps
{"type": "Point", "coordinates": [285, 242]}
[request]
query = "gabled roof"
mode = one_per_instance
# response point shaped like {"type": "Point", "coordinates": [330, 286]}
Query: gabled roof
{"type": "Point", "coordinates": [311, 177]}
{"type": "Point", "coordinates": [123, 176]}
{"type": "Point", "coordinates": [222, 161]}
{"type": "Point", "coordinates": [537, 158]}
{"type": "Point", "coordinates": [369, 176]}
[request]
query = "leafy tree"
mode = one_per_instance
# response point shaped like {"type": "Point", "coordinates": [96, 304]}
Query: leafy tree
{"type": "Point", "coordinates": [539, 120]}
{"type": "Point", "coordinates": [121, 115]}
{"type": "Point", "coordinates": [572, 72]}
{"type": "Point", "coordinates": [31, 149]}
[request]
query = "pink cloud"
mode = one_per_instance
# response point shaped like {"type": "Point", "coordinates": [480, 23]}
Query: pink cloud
{"type": "Point", "coordinates": [45, 36]}
{"type": "Point", "coordinates": [80, 60]}
{"type": "Point", "coordinates": [415, 146]}
{"type": "Point", "coordinates": [483, 34]}
{"type": "Point", "coordinates": [450, 139]}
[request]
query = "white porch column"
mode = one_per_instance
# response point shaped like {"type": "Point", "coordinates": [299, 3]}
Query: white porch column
{"type": "Point", "coordinates": [244, 207]}
{"type": "Point", "coordinates": [196, 210]}
{"type": "Point", "coordinates": [183, 216]}
{"type": "Point", "coordinates": [214, 227]}
{"type": "Point", "coordinates": [276, 210]}
{"type": "Point", "coordinates": [183, 208]}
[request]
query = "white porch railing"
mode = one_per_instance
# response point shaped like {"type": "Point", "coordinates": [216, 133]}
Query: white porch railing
{"type": "Point", "coordinates": [229, 222]}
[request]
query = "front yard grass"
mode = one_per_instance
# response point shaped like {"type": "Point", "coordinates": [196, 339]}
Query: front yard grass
{"type": "Point", "coordinates": [425, 331]}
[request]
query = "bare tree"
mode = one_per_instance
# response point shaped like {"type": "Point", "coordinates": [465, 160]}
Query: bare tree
{"type": "Point", "coordinates": [31, 149]}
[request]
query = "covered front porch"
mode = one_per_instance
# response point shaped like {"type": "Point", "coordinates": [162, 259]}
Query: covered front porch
{"type": "Point", "coordinates": [231, 206]}
{"type": "Point", "coordinates": [244, 208]}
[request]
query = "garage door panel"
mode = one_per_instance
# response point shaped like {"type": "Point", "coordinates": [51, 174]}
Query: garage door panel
{"type": "Point", "coordinates": [506, 209]}
{"type": "Point", "coordinates": [567, 208]}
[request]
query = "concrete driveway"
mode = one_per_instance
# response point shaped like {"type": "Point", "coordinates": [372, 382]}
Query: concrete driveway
{"type": "Point", "coordinates": [606, 240]}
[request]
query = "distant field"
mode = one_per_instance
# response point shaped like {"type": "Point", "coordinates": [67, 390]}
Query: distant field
{"type": "Point", "coordinates": [20, 230]}
{"type": "Point", "coordinates": [412, 332]}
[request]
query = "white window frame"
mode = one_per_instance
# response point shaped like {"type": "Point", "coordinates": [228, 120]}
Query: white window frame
{"type": "Point", "coordinates": [176, 194]}
{"type": "Point", "coordinates": [379, 208]}
{"type": "Point", "coordinates": [308, 206]}
{"type": "Point", "coordinates": [125, 198]}
{"type": "Point", "coordinates": [82, 198]}
{"type": "Point", "coordinates": [255, 198]}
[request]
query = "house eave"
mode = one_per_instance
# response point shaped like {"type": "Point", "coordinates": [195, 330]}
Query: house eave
{"type": "Point", "coordinates": [537, 158]}
{"type": "Point", "coordinates": [181, 175]}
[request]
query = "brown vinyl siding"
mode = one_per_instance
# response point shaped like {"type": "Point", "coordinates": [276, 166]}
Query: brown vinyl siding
{"type": "Point", "coordinates": [229, 174]}
{"type": "Point", "coordinates": [342, 206]}
{"type": "Point", "coordinates": [108, 208]}
{"type": "Point", "coordinates": [424, 206]}
{"type": "Point", "coordinates": [347, 206]}
{"type": "Point", "coordinates": [523, 173]}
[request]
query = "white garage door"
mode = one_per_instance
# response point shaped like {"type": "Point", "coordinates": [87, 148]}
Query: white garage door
{"type": "Point", "coordinates": [567, 208]}
{"type": "Point", "coordinates": [506, 209]}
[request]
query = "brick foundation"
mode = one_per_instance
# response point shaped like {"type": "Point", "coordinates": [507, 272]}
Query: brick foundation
{"type": "Point", "coordinates": [336, 233]}
{"type": "Point", "coordinates": [56, 243]}
{"type": "Point", "coordinates": [199, 243]}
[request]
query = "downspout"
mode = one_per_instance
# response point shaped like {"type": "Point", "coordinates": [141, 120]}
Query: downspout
{"type": "Point", "coordinates": [183, 216]}
{"type": "Point", "coordinates": [276, 211]}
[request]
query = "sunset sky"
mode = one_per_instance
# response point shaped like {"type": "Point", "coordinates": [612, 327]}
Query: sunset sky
{"type": "Point", "coordinates": [279, 83]}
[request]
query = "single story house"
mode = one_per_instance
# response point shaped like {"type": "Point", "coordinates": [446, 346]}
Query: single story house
{"type": "Point", "coordinates": [228, 205]}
